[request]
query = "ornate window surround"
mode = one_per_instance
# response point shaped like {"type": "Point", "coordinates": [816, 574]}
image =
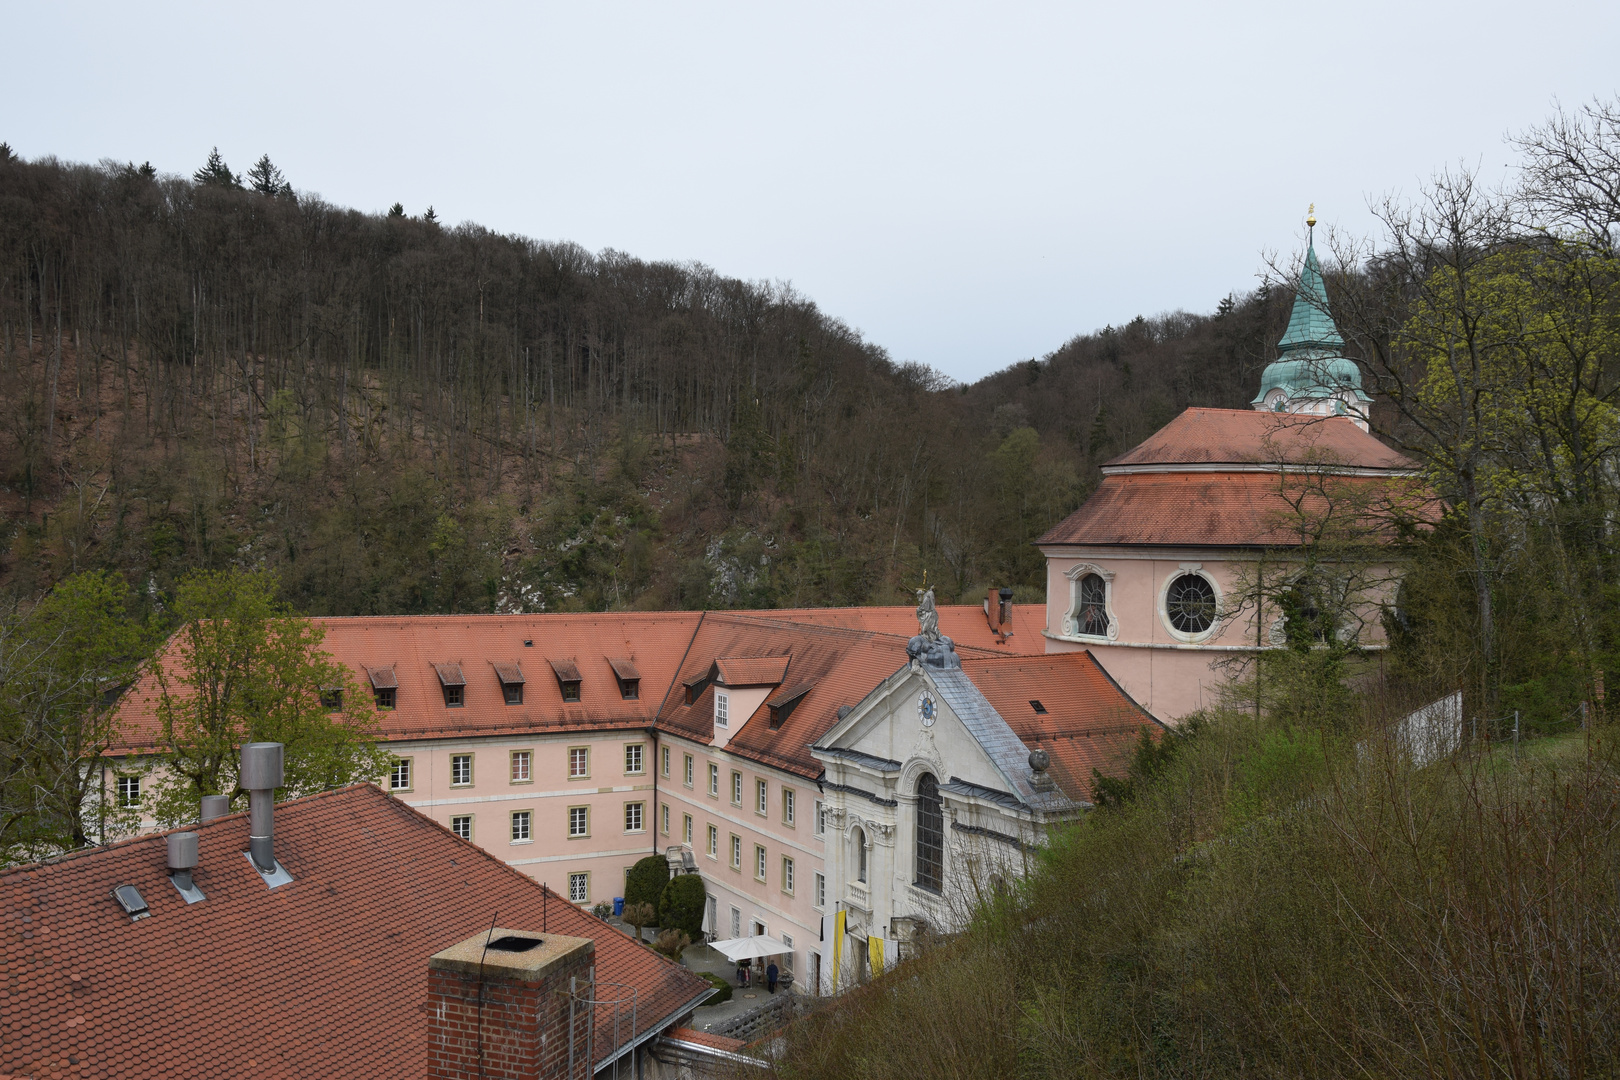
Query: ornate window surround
{"type": "Point", "coordinates": [1164, 604]}
{"type": "Point", "coordinates": [1071, 618]}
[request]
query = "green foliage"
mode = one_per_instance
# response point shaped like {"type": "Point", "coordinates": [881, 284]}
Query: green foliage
{"type": "Point", "coordinates": [266, 179]}
{"type": "Point", "coordinates": [63, 663]}
{"type": "Point", "coordinates": [215, 173]}
{"type": "Point", "coordinates": [722, 988]}
{"type": "Point", "coordinates": [245, 668]}
{"type": "Point", "coordinates": [680, 905]}
{"type": "Point", "coordinates": [671, 943]}
{"type": "Point", "coordinates": [645, 882]}
{"type": "Point", "coordinates": [1155, 750]}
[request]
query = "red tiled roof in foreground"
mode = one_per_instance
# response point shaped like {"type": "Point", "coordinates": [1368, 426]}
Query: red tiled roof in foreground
{"type": "Point", "coordinates": [324, 977]}
{"type": "Point", "coordinates": [1089, 722]}
{"type": "Point", "coordinates": [1245, 436]}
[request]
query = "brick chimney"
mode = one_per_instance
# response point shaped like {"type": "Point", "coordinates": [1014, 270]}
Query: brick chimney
{"type": "Point", "coordinates": [521, 1031]}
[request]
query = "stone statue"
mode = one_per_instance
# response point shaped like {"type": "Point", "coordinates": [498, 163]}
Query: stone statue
{"type": "Point", "coordinates": [927, 615]}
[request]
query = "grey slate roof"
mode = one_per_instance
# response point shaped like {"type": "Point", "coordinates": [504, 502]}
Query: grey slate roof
{"type": "Point", "coordinates": [1005, 749]}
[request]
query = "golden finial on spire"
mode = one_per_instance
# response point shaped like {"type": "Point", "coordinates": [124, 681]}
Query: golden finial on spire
{"type": "Point", "coordinates": [1310, 217]}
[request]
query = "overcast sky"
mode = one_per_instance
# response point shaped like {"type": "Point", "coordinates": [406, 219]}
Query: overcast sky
{"type": "Point", "coordinates": [966, 185]}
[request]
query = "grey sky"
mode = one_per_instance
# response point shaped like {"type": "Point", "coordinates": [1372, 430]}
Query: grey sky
{"type": "Point", "coordinates": [967, 185]}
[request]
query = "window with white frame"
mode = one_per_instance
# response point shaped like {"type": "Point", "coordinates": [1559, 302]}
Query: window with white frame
{"type": "Point", "coordinates": [787, 957]}
{"type": "Point", "coordinates": [129, 791]}
{"type": "Point", "coordinates": [759, 863]}
{"type": "Point", "coordinates": [787, 874]}
{"type": "Point", "coordinates": [722, 709]}
{"type": "Point", "coordinates": [736, 852]}
{"type": "Point", "coordinates": [632, 759]}
{"type": "Point", "coordinates": [736, 923]}
{"type": "Point", "coordinates": [688, 773]}
{"type": "Point", "coordinates": [821, 819]}
{"type": "Point", "coordinates": [632, 816]}
{"type": "Point", "coordinates": [788, 809]}
{"type": "Point", "coordinates": [736, 789]}
{"type": "Point", "coordinates": [461, 825]}
{"type": "Point", "coordinates": [761, 798]}
{"type": "Point", "coordinates": [686, 828]}
{"type": "Point", "coordinates": [579, 888]}
{"type": "Point", "coordinates": [1091, 606]}
{"type": "Point", "coordinates": [579, 821]}
{"type": "Point", "coordinates": [664, 820]}
{"type": "Point", "coordinates": [522, 766]}
{"type": "Point", "coordinates": [663, 761]}
{"type": "Point", "coordinates": [579, 762]}
{"type": "Point", "coordinates": [460, 770]}
{"type": "Point", "coordinates": [522, 822]}
{"type": "Point", "coordinates": [714, 780]}
{"type": "Point", "coordinates": [820, 898]}
{"type": "Point", "coordinates": [714, 842]}
{"type": "Point", "coordinates": [399, 779]}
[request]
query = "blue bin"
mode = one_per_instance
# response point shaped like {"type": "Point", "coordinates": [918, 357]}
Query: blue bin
{"type": "Point", "coordinates": [618, 907]}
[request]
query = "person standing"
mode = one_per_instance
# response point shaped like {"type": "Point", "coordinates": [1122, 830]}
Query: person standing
{"type": "Point", "coordinates": [771, 974]}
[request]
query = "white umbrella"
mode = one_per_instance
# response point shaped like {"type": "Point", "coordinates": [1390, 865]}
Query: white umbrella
{"type": "Point", "coordinates": [746, 948]}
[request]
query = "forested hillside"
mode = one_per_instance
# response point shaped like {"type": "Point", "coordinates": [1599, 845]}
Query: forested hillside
{"type": "Point", "coordinates": [402, 417]}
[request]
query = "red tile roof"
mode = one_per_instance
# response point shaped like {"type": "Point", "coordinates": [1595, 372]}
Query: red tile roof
{"type": "Point", "coordinates": [323, 977]}
{"type": "Point", "coordinates": [751, 670]}
{"type": "Point", "coordinates": [1239, 436]}
{"type": "Point", "coordinates": [706, 1038]}
{"type": "Point", "coordinates": [1089, 722]}
{"type": "Point", "coordinates": [1212, 509]}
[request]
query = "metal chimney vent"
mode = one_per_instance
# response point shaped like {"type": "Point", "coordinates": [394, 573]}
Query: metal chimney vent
{"type": "Point", "coordinates": [214, 806]}
{"type": "Point", "coordinates": [261, 774]}
{"type": "Point", "coordinates": [182, 861]}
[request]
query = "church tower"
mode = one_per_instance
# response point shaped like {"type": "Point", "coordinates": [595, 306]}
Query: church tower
{"type": "Point", "coordinates": [1312, 376]}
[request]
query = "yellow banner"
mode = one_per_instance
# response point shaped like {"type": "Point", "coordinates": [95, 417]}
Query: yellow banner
{"type": "Point", "coordinates": [874, 950]}
{"type": "Point", "coordinates": [838, 947]}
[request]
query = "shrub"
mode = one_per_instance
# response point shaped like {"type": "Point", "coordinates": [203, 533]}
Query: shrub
{"type": "Point", "coordinates": [646, 881]}
{"type": "Point", "coordinates": [671, 943]}
{"type": "Point", "coordinates": [719, 982]}
{"type": "Point", "coordinates": [681, 905]}
{"type": "Point", "coordinates": [639, 916]}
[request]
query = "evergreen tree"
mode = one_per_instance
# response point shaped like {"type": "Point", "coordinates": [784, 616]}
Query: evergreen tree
{"type": "Point", "coordinates": [397, 210]}
{"type": "Point", "coordinates": [266, 179]}
{"type": "Point", "coordinates": [430, 217]}
{"type": "Point", "coordinates": [215, 173]}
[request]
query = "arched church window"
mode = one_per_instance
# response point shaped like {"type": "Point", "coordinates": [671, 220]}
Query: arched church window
{"type": "Point", "coordinates": [930, 834]}
{"type": "Point", "coordinates": [860, 855]}
{"type": "Point", "coordinates": [1189, 603]}
{"type": "Point", "coordinates": [1092, 616]}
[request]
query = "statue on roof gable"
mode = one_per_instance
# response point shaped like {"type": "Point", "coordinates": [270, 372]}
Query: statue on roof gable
{"type": "Point", "coordinates": [927, 614]}
{"type": "Point", "coordinates": [930, 646]}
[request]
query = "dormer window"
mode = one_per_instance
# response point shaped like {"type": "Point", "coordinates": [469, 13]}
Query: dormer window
{"type": "Point", "coordinates": [782, 704]}
{"type": "Point", "coordinates": [568, 680]}
{"type": "Point", "coordinates": [628, 675]}
{"type": "Point", "coordinates": [511, 676]}
{"type": "Point", "coordinates": [722, 708]}
{"type": "Point", "coordinates": [384, 685]}
{"type": "Point", "coordinates": [453, 683]}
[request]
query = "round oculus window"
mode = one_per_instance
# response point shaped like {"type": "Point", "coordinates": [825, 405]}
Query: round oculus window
{"type": "Point", "coordinates": [1190, 604]}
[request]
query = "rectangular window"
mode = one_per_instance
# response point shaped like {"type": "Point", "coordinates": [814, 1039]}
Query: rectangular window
{"type": "Point", "coordinates": [714, 842]}
{"type": "Point", "coordinates": [129, 791]}
{"type": "Point", "coordinates": [736, 789]}
{"type": "Point", "coordinates": [521, 822]}
{"type": "Point", "coordinates": [736, 923]}
{"type": "Point", "coordinates": [512, 692]}
{"type": "Point", "coordinates": [759, 863]}
{"type": "Point", "coordinates": [787, 957]}
{"type": "Point", "coordinates": [632, 816]}
{"type": "Point", "coordinates": [736, 852]}
{"type": "Point", "coordinates": [762, 804]}
{"type": "Point", "coordinates": [579, 888]}
{"type": "Point", "coordinates": [686, 828]}
{"type": "Point", "coordinates": [688, 773]}
{"type": "Point", "coordinates": [400, 778]}
{"type": "Point", "coordinates": [453, 698]}
{"type": "Point", "coordinates": [821, 890]}
{"type": "Point", "coordinates": [821, 819]}
{"type": "Point", "coordinates": [787, 874]}
{"type": "Point", "coordinates": [522, 766]}
{"type": "Point", "coordinates": [570, 690]}
{"type": "Point", "coordinates": [788, 810]}
{"type": "Point", "coordinates": [461, 825]}
{"type": "Point", "coordinates": [579, 821]}
{"type": "Point", "coordinates": [579, 762]}
{"type": "Point", "coordinates": [714, 780]}
{"type": "Point", "coordinates": [460, 770]}
{"type": "Point", "coordinates": [664, 819]}
{"type": "Point", "coordinates": [632, 759]}
{"type": "Point", "coordinates": [722, 707]}
{"type": "Point", "coordinates": [385, 697]}
{"type": "Point", "coordinates": [332, 699]}
{"type": "Point", "coordinates": [663, 761]}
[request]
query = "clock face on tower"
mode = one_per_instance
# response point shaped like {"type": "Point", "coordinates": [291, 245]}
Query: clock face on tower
{"type": "Point", "coordinates": [926, 709]}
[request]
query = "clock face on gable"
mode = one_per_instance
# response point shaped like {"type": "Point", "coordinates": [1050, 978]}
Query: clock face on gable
{"type": "Point", "coordinates": [926, 708]}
